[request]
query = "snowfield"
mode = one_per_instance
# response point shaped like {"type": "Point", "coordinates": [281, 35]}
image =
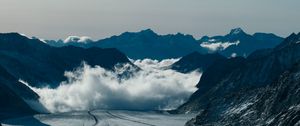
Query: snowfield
{"type": "Point", "coordinates": [103, 118]}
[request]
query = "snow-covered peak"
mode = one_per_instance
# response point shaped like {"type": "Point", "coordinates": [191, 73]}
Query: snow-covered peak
{"type": "Point", "coordinates": [236, 31]}
{"type": "Point", "coordinates": [77, 39]}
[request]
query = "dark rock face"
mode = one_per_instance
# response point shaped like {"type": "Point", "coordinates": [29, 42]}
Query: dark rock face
{"type": "Point", "coordinates": [12, 96]}
{"type": "Point", "coordinates": [196, 61]}
{"type": "Point", "coordinates": [243, 44]}
{"type": "Point", "coordinates": [276, 104]}
{"type": "Point", "coordinates": [42, 65]}
{"type": "Point", "coordinates": [260, 90]}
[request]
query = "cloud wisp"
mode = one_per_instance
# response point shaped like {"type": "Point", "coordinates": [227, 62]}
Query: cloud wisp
{"type": "Point", "coordinates": [77, 39]}
{"type": "Point", "coordinates": [218, 46]}
{"type": "Point", "coordinates": [152, 88]}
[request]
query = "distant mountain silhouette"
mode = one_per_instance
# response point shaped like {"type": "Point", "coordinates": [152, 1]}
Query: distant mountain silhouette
{"type": "Point", "coordinates": [239, 43]}
{"type": "Point", "coordinates": [148, 44]}
{"type": "Point", "coordinates": [145, 44]}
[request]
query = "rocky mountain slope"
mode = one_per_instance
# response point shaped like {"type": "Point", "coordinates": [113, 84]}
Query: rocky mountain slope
{"type": "Point", "coordinates": [13, 96]}
{"type": "Point", "coordinates": [42, 65]}
{"type": "Point", "coordinates": [261, 89]}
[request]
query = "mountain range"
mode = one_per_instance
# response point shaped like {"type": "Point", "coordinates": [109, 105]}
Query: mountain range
{"type": "Point", "coordinates": [148, 44]}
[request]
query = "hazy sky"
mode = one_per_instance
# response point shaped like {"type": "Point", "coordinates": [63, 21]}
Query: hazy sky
{"type": "Point", "coordinates": [53, 19]}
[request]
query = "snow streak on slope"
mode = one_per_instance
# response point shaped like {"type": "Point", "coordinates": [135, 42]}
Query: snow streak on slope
{"type": "Point", "coordinates": [154, 87]}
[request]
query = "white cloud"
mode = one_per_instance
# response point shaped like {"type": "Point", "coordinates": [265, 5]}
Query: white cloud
{"type": "Point", "coordinates": [218, 46]}
{"type": "Point", "coordinates": [94, 87]}
{"type": "Point", "coordinates": [154, 64]}
{"type": "Point", "coordinates": [77, 39]}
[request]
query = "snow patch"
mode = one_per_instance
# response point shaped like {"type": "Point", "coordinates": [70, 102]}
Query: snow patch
{"type": "Point", "coordinates": [270, 120]}
{"type": "Point", "coordinates": [295, 107]}
{"type": "Point", "coordinates": [23, 82]}
{"type": "Point", "coordinates": [238, 109]}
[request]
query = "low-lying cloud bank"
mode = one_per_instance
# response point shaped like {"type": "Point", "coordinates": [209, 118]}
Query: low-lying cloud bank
{"type": "Point", "coordinates": [154, 87]}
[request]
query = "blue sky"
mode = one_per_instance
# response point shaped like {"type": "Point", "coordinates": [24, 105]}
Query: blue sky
{"type": "Point", "coordinates": [54, 19]}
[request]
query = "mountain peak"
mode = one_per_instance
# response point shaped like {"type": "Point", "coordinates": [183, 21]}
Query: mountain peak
{"type": "Point", "coordinates": [294, 36]}
{"type": "Point", "coordinates": [148, 31]}
{"type": "Point", "coordinates": [236, 31]}
{"type": "Point", "coordinates": [291, 40]}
